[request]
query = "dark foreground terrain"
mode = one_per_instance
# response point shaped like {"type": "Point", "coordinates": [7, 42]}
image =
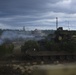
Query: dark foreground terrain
{"type": "Point", "coordinates": [35, 69]}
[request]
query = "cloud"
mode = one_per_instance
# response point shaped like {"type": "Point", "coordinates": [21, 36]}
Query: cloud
{"type": "Point", "coordinates": [36, 13]}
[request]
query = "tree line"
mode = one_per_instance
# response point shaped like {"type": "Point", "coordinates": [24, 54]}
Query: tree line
{"type": "Point", "coordinates": [42, 45]}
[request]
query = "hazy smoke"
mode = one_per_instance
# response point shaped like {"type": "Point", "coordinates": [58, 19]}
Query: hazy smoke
{"type": "Point", "coordinates": [18, 35]}
{"type": "Point", "coordinates": [1, 41]}
{"type": "Point", "coordinates": [11, 35]}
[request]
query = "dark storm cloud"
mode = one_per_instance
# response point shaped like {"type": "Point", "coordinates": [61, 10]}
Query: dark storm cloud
{"type": "Point", "coordinates": [34, 13]}
{"type": "Point", "coordinates": [15, 7]}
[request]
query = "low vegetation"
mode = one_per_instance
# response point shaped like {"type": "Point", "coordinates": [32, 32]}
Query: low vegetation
{"type": "Point", "coordinates": [6, 49]}
{"type": "Point", "coordinates": [68, 46]}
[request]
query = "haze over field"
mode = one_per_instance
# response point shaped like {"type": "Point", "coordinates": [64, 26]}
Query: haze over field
{"type": "Point", "coordinates": [13, 35]}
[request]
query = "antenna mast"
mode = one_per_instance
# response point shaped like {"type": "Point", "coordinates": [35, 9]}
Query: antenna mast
{"type": "Point", "coordinates": [68, 25]}
{"type": "Point", "coordinates": [56, 23]}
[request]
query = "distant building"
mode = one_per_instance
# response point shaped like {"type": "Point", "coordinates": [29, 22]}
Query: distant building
{"type": "Point", "coordinates": [23, 28]}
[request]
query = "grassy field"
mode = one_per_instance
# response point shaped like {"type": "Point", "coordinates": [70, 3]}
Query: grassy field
{"type": "Point", "coordinates": [64, 71]}
{"type": "Point", "coordinates": [56, 70]}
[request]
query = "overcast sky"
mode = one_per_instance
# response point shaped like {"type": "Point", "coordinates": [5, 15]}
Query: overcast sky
{"type": "Point", "coordinates": [38, 14]}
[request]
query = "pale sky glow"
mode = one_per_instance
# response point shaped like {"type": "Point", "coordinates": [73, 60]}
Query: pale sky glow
{"type": "Point", "coordinates": [39, 14]}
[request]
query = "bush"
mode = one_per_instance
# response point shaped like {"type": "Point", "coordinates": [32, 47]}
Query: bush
{"type": "Point", "coordinates": [30, 45]}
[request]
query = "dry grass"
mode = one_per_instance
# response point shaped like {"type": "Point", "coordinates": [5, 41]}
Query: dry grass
{"type": "Point", "coordinates": [63, 71]}
{"type": "Point", "coordinates": [56, 70]}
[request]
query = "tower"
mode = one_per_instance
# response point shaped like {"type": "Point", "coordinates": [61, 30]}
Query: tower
{"type": "Point", "coordinates": [23, 28]}
{"type": "Point", "coordinates": [56, 23]}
